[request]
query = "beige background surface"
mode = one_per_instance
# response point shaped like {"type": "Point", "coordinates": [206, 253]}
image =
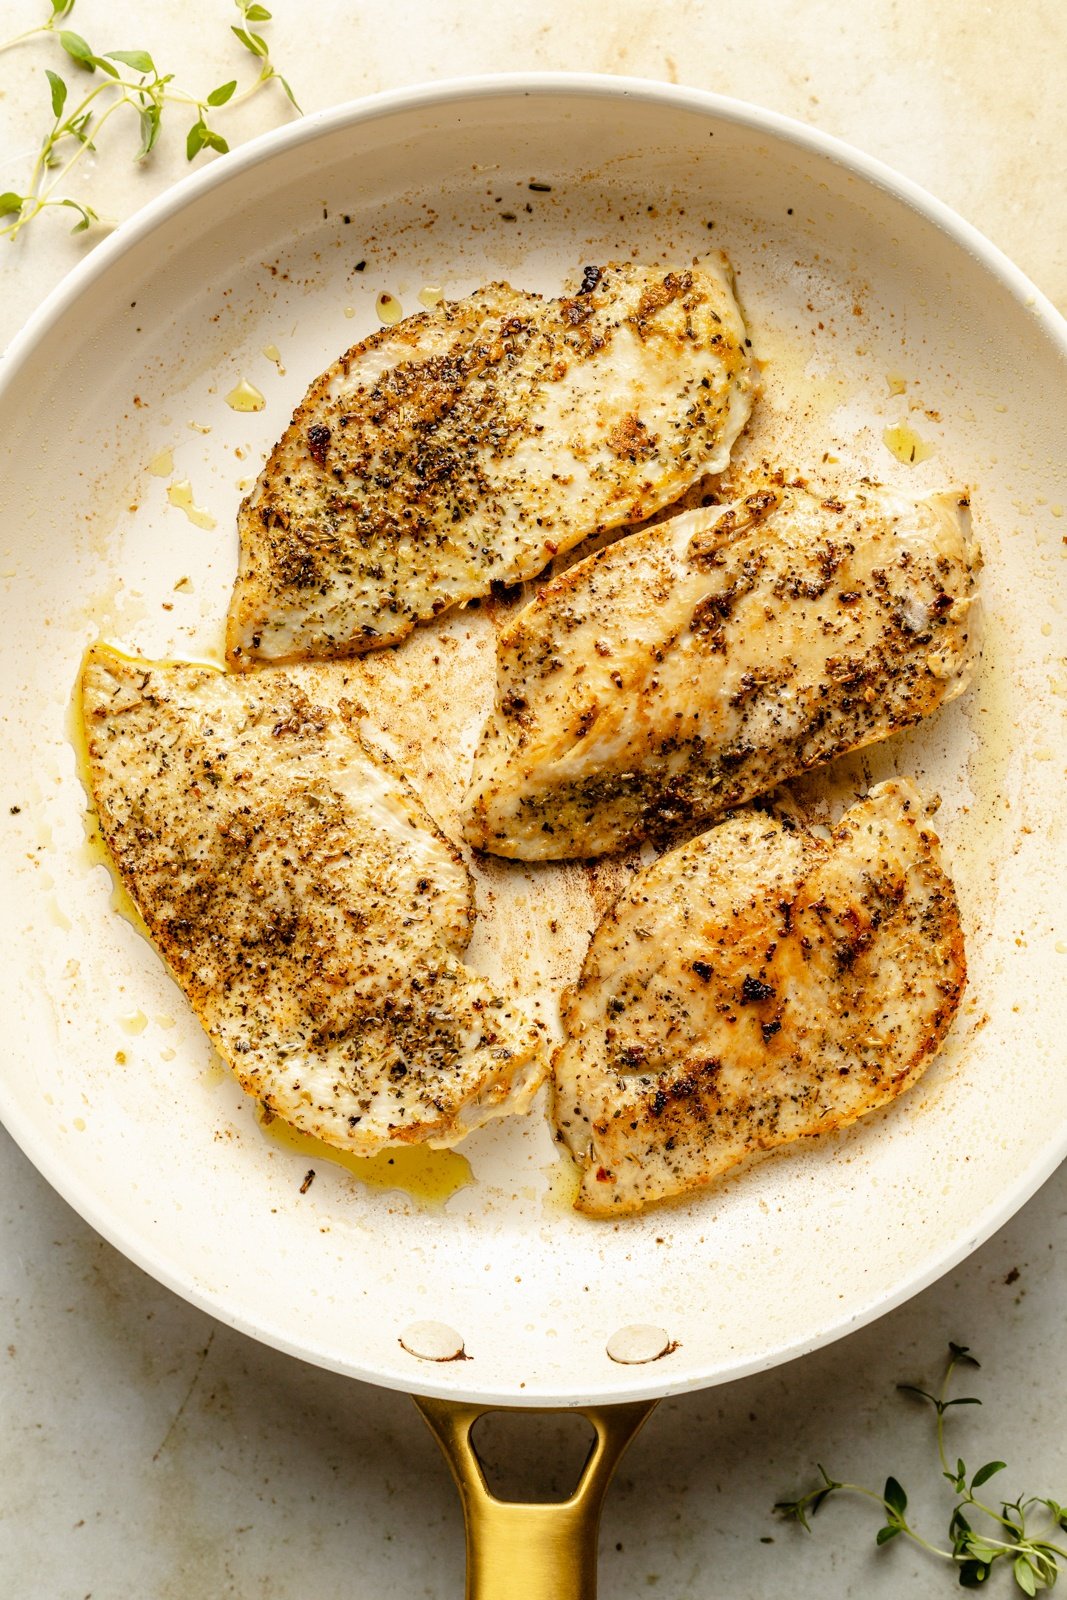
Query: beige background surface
{"type": "Point", "coordinates": [147, 1452]}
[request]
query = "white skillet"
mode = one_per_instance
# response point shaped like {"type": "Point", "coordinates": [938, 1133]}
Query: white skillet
{"type": "Point", "coordinates": [873, 308]}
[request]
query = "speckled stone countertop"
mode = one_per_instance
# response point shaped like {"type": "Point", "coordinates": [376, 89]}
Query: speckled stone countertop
{"type": "Point", "coordinates": [147, 1453]}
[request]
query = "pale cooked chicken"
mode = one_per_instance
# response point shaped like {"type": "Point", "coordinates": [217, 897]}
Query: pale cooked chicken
{"type": "Point", "coordinates": [305, 902]}
{"type": "Point", "coordinates": [709, 657]}
{"type": "Point", "coordinates": [755, 986]}
{"type": "Point", "coordinates": [470, 444]}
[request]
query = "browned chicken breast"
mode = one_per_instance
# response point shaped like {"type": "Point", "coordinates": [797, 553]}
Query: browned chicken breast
{"type": "Point", "coordinates": [753, 987]}
{"type": "Point", "coordinates": [305, 902]}
{"type": "Point", "coordinates": [707, 658]}
{"type": "Point", "coordinates": [470, 444]}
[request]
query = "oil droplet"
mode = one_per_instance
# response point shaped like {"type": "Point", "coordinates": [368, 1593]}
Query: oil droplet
{"type": "Point", "coordinates": [904, 443]}
{"type": "Point", "coordinates": [246, 397]}
{"type": "Point", "coordinates": [564, 1180]}
{"type": "Point", "coordinates": [133, 1022]}
{"type": "Point", "coordinates": [429, 1177]}
{"type": "Point", "coordinates": [180, 494]}
{"type": "Point", "coordinates": [431, 296]}
{"type": "Point", "coordinates": [1061, 947]}
{"type": "Point", "coordinates": [215, 1072]}
{"type": "Point", "coordinates": [897, 383]}
{"type": "Point", "coordinates": [350, 311]}
{"type": "Point", "coordinates": [1043, 753]}
{"type": "Point", "coordinates": [1057, 511]}
{"type": "Point", "coordinates": [1046, 629]}
{"type": "Point", "coordinates": [162, 465]}
{"type": "Point", "coordinates": [272, 353]}
{"type": "Point", "coordinates": [200, 427]}
{"type": "Point", "coordinates": [388, 308]}
{"type": "Point", "coordinates": [57, 914]}
{"type": "Point", "coordinates": [167, 1054]}
{"type": "Point", "coordinates": [79, 1123]}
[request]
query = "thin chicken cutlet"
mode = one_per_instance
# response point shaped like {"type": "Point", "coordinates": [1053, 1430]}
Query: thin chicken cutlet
{"type": "Point", "coordinates": [709, 657]}
{"type": "Point", "coordinates": [756, 986]}
{"type": "Point", "coordinates": [471, 444]}
{"type": "Point", "coordinates": [306, 903]}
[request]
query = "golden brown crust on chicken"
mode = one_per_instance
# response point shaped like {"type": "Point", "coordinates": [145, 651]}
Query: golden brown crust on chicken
{"type": "Point", "coordinates": [306, 903]}
{"type": "Point", "coordinates": [471, 444]}
{"type": "Point", "coordinates": [707, 658]}
{"type": "Point", "coordinates": [756, 986]}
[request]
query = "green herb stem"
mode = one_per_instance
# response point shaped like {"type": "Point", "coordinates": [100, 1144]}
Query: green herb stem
{"type": "Point", "coordinates": [84, 145]}
{"type": "Point", "coordinates": [62, 130]}
{"type": "Point", "coordinates": [60, 10]}
{"type": "Point", "coordinates": [941, 1399]}
{"type": "Point", "coordinates": [179, 98]}
{"type": "Point", "coordinates": [20, 38]}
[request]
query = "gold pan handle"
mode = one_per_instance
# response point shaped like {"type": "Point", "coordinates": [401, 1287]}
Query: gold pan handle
{"type": "Point", "coordinates": [522, 1551]}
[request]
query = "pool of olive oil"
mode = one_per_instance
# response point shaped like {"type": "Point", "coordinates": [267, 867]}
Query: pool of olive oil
{"type": "Point", "coordinates": [429, 1177]}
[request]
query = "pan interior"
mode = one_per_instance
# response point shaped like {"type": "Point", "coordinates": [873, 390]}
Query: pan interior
{"type": "Point", "coordinates": [868, 315]}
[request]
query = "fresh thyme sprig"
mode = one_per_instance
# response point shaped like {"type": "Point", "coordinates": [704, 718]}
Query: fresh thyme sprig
{"type": "Point", "coordinates": [126, 78]}
{"type": "Point", "coordinates": [1005, 1536]}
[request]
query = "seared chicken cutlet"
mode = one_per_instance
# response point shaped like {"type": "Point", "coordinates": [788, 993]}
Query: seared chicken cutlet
{"type": "Point", "coordinates": [470, 444]}
{"type": "Point", "coordinates": [753, 987]}
{"type": "Point", "coordinates": [305, 902]}
{"type": "Point", "coordinates": [707, 658]}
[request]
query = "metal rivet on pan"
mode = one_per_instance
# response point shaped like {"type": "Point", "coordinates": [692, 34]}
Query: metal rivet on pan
{"type": "Point", "coordinates": [639, 1342]}
{"type": "Point", "coordinates": [433, 1341]}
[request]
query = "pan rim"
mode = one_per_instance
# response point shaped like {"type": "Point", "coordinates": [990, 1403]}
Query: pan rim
{"type": "Point", "coordinates": [389, 102]}
{"type": "Point", "coordinates": [643, 1383]}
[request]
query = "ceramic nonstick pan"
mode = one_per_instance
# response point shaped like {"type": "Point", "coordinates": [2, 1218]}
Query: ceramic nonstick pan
{"type": "Point", "coordinates": [894, 342]}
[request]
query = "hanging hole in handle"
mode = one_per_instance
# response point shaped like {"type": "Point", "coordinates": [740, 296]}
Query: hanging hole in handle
{"type": "Point", "coordinates": [534, 1457]}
